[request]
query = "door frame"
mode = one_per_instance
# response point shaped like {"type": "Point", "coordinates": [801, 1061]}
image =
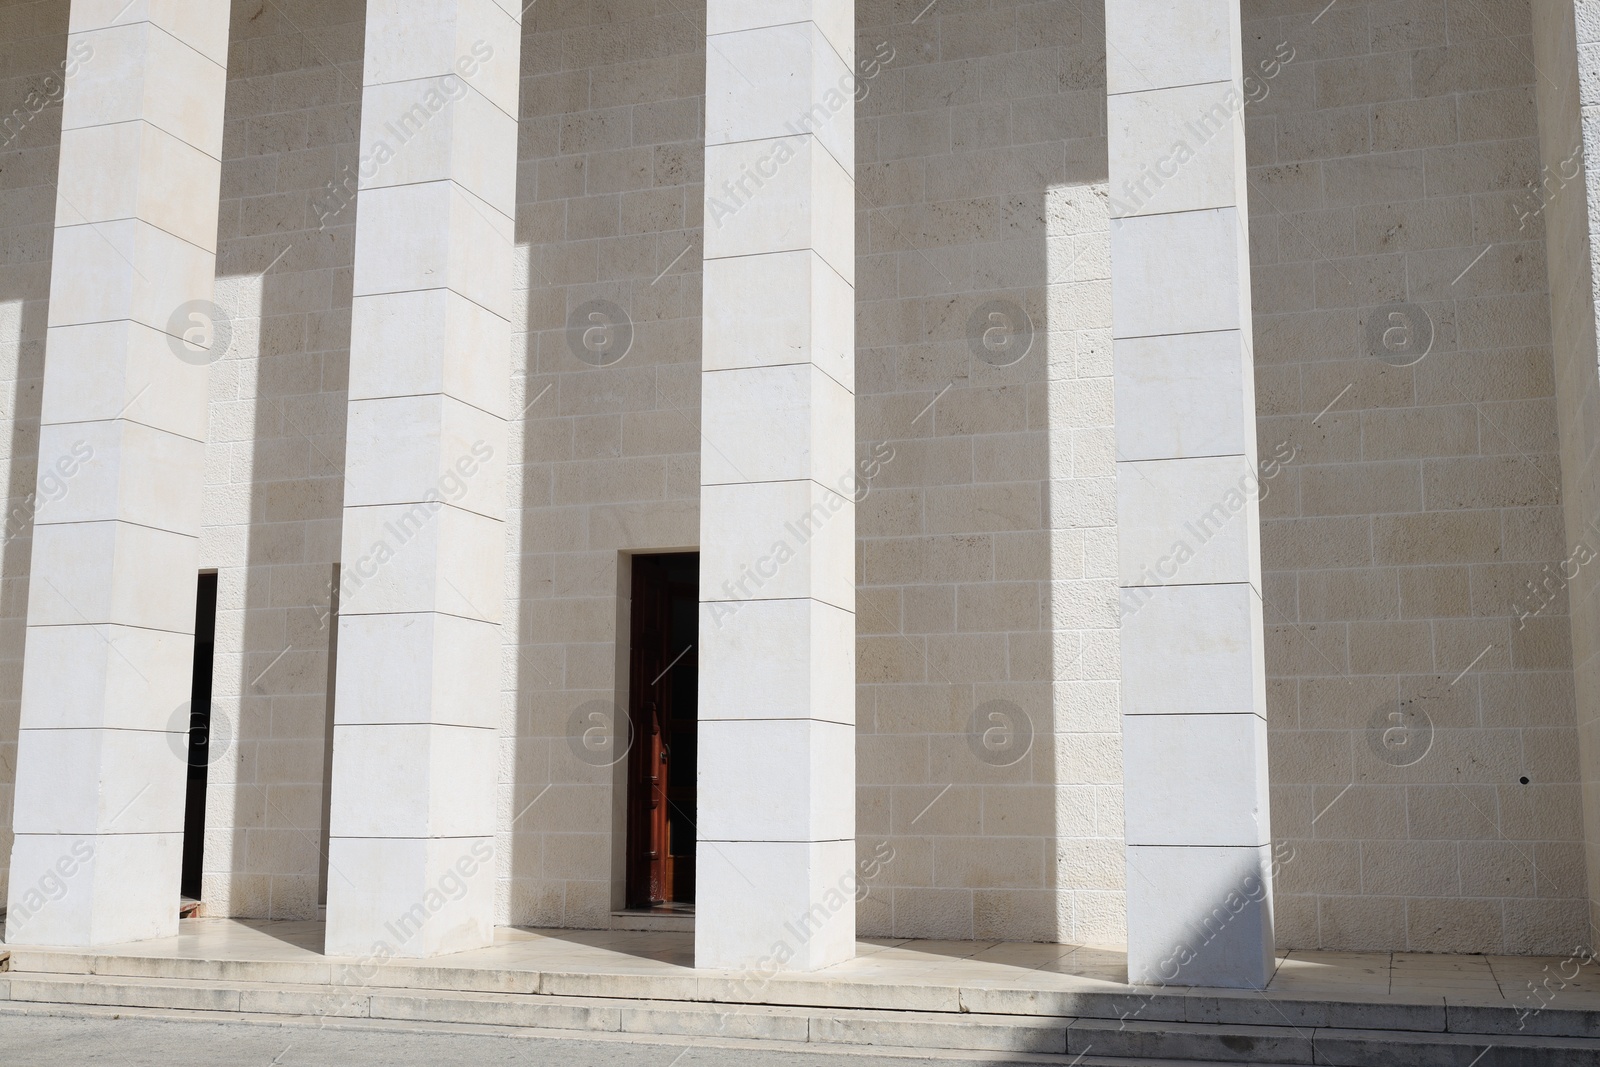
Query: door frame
{"type": "Point", "coordinates": [623, 701]}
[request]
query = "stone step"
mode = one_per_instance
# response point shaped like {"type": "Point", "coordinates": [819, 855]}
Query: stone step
{"type": "Point", "coordinates": [1095, 1039]}
{"type": "Point", "coordinates": [1210, 1007]}
{"type": "Point", "coordinates": [1194, 1042]}
{"type": "Point", "coordinates": [928, 1056]}
{"type": "Point", "coordinates": [688, 1019]}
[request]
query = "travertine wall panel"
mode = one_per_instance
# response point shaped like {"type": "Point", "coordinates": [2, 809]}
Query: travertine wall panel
{"type": "Point", "coordinates": [275, 454]}
{"type": "Point", "coordinates": [1399, 540]}
{"type": "Point", "coordinates": [1564, 48]}
{"type": "Point", "coordinates": [1416, 502]}
{"type": "Point", "coordinates": [956, 605]}
{"type": "Point", "coordinates": [605, 457]}
{"type": "Point", "coordinates": [33, 51]}
{"type": "Point", "coordinates": [989, 752]}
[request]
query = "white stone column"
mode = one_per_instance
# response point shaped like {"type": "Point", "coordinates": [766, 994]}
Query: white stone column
{"type": "Point", "coordinates": [1193, 671]}
{"type": "Point", "coordinates": [102, 752]}
{"type": "Point", "coordinates": [411, 851]}
{"type": "Point", "coordinates": [776, 853]}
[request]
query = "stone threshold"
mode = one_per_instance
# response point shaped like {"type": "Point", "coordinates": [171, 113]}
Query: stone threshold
{"type": "Point", "coordinates": [672, 920]}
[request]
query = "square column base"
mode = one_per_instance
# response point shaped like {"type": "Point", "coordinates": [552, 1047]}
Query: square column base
{"type": "Point", "coordinates": [409, 898]}
{"type": "Point", "coordinates": [1200, 915]}
{"type": "Point", "coordinates": [81, 891]}
{"type": "Point", "coordinates": [772, 906]}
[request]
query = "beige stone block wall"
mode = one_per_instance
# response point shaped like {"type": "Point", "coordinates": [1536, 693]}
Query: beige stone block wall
{"type": "Point", "coordinates": [981, 175]}
{"type": "Point", "coordinates": [610, 209]}
{"type": "Point", "coordinates": [1566, 38]}
{"type": "Point", "coordinates": [33, 47]}
{"type": "Point", "coordinates": [275, 451]}
{"type": "Point", "coordinates": [988, 548]}
{"type": "Point", "coordinates": [605, 458]}
{"type": "Point", "coordinates": [1389, 159]}
{"type": "Point", "coordinates": [1397, 542]}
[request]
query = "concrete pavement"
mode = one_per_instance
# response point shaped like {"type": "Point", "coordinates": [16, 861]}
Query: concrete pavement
{"type": "Point", "coordinates": [115, 1039]}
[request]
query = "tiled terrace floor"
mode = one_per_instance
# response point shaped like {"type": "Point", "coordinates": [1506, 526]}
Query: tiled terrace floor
{"type": "Point", "coordinates": [1370, 977]}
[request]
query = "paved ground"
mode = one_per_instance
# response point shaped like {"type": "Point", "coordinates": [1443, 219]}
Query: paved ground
{"type": "Point", "coordinates": [45, 1041]}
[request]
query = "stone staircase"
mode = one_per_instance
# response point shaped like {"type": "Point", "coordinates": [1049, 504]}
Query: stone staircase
{"type": "Point", "coordinates": [1086, 1028]}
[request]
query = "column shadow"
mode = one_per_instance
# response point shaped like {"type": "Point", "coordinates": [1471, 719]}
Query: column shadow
{"type": "Point", "coordinates": [30, 140]}
{"type": "Point", "coordinates": [989, 749]}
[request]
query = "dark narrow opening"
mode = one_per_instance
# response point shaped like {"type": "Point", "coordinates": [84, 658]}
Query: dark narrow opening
{"type": "Point", "coordinates": [663, 696]}
{"type": "Point", "coordinates": [332, 622]}
{"type": "Point", "coordinates": [194, 809]}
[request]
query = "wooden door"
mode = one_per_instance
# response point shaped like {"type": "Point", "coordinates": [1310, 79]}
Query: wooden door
{"type": "Point", "coordinates": [663, 692]}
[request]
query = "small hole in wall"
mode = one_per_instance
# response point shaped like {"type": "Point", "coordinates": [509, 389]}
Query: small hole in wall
{"type": "Point", "coordinates": [1523, 779]}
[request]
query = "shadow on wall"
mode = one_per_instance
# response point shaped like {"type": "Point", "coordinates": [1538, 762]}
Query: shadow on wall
{"type": "Point", "coordinates": [989, 740]}
{"type": "Point", "coordinates": [30, 137]}
{"type": "Point", "coordinates": [1420, 702]}
{"type": "Point", "coordinates": [609, 242]}
{"type": "Point", "coordinates": [275, 471]}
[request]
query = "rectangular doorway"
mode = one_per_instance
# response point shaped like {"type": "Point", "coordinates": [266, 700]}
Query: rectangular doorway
{"type": "Point", "coordinates": [663, 713]}
{"type": "Point", "coordinates": [194, 806]}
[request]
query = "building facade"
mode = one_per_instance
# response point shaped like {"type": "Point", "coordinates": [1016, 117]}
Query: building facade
{"type": "Point", "coordinates": [841, 467]}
